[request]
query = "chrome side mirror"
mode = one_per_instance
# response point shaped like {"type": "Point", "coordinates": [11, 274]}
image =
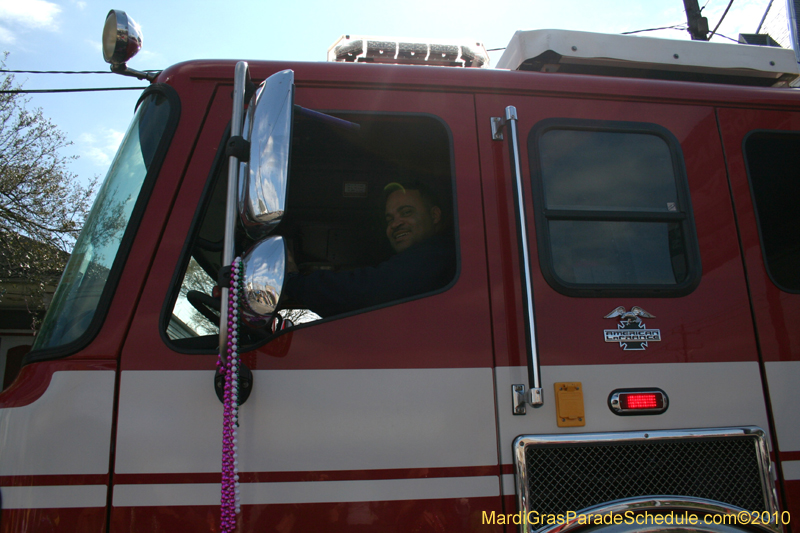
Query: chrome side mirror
{"type": "Point", "coordinates": [264, 268]}
{"type": "Point", "coordinates": [264, 179]}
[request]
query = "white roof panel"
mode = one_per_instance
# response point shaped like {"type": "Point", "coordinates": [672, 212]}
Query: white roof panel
{"type": "Point", "coordinates": [598, 51]}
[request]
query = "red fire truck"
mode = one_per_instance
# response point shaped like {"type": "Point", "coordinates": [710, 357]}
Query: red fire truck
{"type": "Point", "coordinates": [619, 337]}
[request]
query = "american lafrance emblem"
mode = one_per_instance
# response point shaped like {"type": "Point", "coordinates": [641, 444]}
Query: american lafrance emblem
{"type": "Point", "coordinates": [631, 333]}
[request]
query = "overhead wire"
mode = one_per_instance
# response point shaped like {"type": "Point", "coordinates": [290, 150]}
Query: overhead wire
{"type": "Point", "coordinates": [56, 71]}
{"type": "Point", "coordinates": [764, 17]}
{"type": "Point", "coordinates": [81, 90]}
{"type": "Point", "coordinates": [681, 26]}
{"type": "Point", "coordinates": [65, 71]}
{"type": "Point", "coordinates": [729, 38]}
{"type": "Point", "coordinates": [720, 21]}
{"type": "Point", "coordinates": [77, 90]}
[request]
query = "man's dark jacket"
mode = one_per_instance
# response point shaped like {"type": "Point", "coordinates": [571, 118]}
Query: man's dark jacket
{"type": "Point", "coordinates": [422, 268]}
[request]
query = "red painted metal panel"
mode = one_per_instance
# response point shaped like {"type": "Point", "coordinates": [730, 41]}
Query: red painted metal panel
{"type": "Point", "coordinates": [776, 312]}
{"type": "Point", "coordinates": [53, 520]}
{"type": "Point", "coordinates": [489, 81]}
{"type": "Point", "coordinates": [711, 324]}
{"type": "Point", "coordinates": [791, 489]}
{"type": "Point", "coordinates": [411, 516]}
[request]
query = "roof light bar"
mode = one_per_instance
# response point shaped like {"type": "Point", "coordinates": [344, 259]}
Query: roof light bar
{"type": "Point", "coordinates": [394, 50]}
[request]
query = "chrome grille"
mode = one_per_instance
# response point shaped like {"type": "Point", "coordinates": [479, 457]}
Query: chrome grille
{"type": "Point", "coordinates": [569, 473]}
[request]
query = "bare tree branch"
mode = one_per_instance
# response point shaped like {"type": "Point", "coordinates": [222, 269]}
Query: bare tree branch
{"type": "Point", "coordinates": [42, 204]}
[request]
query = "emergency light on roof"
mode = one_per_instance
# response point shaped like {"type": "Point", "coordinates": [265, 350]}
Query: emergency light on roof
{"type": "Point", "coordinates": [435, 52]}
{"type": "Point", "coordinates": [575, 52]}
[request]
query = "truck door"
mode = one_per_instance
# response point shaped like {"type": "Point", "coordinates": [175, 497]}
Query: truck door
{"type": "Point", "coordinates": [630, 226]}
{"type": "Point", "coordinates": [763, 154]}
{"type": "Point", "coordinates": [379, 418]}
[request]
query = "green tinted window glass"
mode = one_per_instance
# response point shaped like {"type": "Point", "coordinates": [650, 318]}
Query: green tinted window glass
{"type": "Point", "coordinates": [84, 280]}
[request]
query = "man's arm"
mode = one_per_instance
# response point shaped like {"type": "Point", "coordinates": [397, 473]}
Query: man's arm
{"type": "Point", "coordinates": [420, 269]}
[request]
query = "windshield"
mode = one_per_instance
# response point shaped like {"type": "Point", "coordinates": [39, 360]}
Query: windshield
{"type": "Point", "coordinates": [84, 280]}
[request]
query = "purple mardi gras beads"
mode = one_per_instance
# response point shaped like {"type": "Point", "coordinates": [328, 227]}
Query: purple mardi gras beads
{"type": "Point", "coordinates": [230, 504]}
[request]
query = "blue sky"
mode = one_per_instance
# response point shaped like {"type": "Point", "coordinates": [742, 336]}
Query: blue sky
{"type": "Point", "coordinates": [65, 35]}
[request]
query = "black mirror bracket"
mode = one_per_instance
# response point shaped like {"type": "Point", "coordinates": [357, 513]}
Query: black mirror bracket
{"type": "Point", "coordinates": [245, 384]}
{"type": "Point", "coordinates": [239, 148]}
{"type": "Point", "coordinates": [224, 277]}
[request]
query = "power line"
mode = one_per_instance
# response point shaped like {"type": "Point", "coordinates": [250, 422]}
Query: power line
{"type": "Point", "coordinates": [680, 26]}
{"type": "Point", "coordinates": [729, 38]}
{"type": "Point", "coordinates": [64, 71]}
{"type": "Point", "coordinates": [56, 71]}
{"type": "Point", "coordinates": [83, 90]}
{"type": "Point", "coordinates": [764, 17]}
{"type": "Point", "coordinates": [720, 21]}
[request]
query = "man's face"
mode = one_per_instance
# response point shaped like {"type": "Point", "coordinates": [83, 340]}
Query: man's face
{"type": "Point", "coordinates": [408, 220]}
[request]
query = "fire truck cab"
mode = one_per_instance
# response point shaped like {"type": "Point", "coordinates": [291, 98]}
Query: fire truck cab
{"type": "Point", "coordinates": [618, 336]}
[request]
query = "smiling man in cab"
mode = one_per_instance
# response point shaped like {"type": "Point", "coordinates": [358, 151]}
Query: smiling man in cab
{"type": "Point", "coordinates": [424, 259]}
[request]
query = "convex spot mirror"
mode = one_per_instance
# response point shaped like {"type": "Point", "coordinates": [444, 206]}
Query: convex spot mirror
{"type": "Point", "coordinates": [262, 277]}
{"type": "Point", "coordinates": [263, 180]}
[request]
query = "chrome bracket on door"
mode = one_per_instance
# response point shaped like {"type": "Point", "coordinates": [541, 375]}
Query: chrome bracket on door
{"type": "Point", "coordinates": [497, 128]}
{"type": "Point", "coordinates": [518, 399]}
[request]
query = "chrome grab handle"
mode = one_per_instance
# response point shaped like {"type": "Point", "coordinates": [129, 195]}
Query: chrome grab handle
{"type": "Point", "coordinates": [509, 123]}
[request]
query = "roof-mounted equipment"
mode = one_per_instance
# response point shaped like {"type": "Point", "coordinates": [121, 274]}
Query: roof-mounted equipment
{"type": "Point", "coordinates": [401, 51]}
{"type": "Point", "coordinates": [575, 52]}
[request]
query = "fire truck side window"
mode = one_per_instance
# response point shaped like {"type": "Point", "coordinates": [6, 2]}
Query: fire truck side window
{"type": "Point", "coordinates": [773, 160]}
{"type": "Point", "coordinates": [613, 211]}
{"type": "Point", "coordinates": [335, 217]}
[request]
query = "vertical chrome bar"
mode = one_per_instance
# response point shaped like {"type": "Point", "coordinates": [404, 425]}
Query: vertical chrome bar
{"type": "Point", "coordinates": [535, 393]}
{"type": "Point", "coordinates": [239, 80]}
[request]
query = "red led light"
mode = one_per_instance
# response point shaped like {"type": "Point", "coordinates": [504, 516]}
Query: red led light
{"type": "Point", "coordinates": [644, 400]}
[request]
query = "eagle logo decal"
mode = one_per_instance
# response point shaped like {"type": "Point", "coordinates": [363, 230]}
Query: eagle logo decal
{"type": "Point", "coordinates": [631, 333]}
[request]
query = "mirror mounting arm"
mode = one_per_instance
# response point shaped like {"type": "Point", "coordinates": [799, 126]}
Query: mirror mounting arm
{"type": "Point", "coordinates": [239, 148]}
